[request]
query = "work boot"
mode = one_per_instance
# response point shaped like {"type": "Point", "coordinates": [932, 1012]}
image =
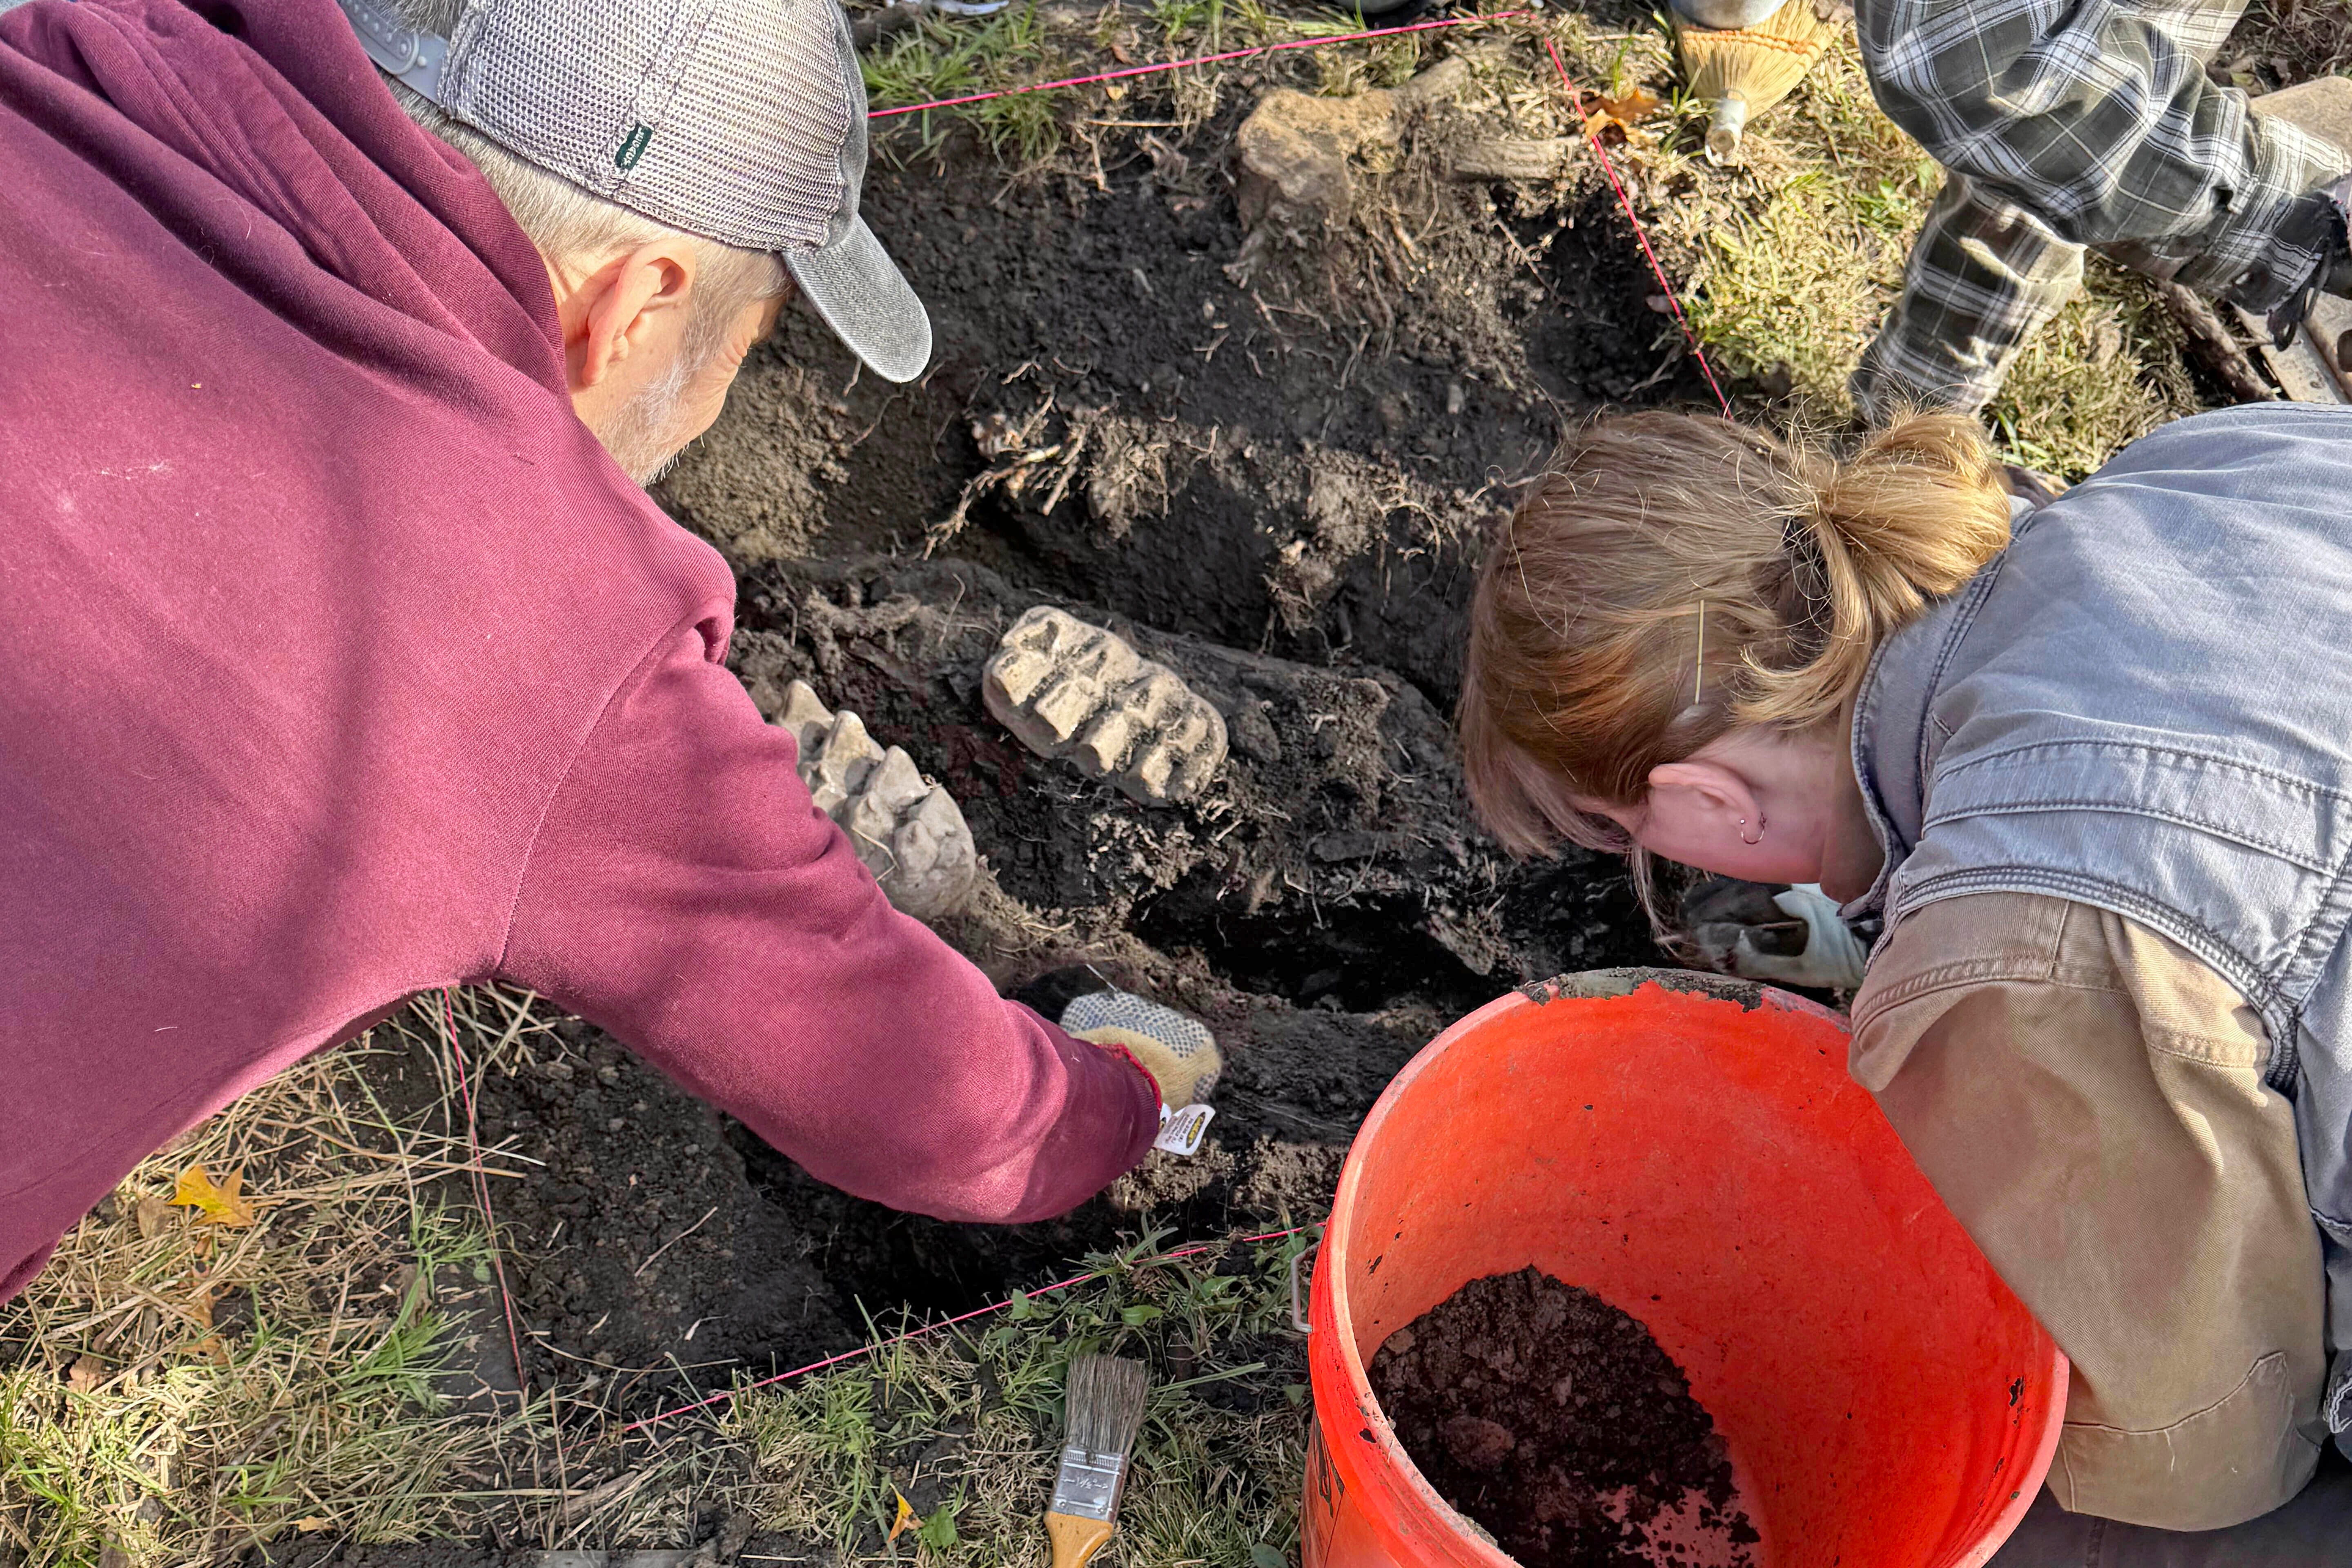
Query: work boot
{"type": "Point", "coordinates": [907, 830]}
{"type": "Point", "coordinates": [1076, 692]}
{"type": "Point", "coordinates": [2303, 324]}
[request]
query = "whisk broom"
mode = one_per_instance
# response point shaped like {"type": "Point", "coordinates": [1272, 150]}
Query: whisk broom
{"type": "Point", "coordinates": [1104, 1406]}
{"type": "Point", "coordinates": [1744, 71]}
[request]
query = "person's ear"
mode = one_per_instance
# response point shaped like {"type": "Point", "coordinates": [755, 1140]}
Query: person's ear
{"type": "Point", "coordinates": [1701, 789]}
{"type": "Point", "coordinates": [629, 306]}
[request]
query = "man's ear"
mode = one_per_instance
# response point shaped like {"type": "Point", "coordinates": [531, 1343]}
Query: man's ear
{"type": "Point", "coordinates": [1704, 789]}
{"type": "Point", "coordinates": [628, 306]}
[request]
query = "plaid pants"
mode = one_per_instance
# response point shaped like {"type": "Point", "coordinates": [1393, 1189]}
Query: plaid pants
{"type": "Point", "coordinates": [2065, 125]}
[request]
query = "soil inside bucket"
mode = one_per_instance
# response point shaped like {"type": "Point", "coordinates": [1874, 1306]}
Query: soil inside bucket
{"type": "Point", "coordinates": [1555, 1421]}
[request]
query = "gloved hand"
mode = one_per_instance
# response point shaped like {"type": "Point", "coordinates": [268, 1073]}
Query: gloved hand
{"type": "Point", "coordinates": [1787, 935]}
{"type": "Point", "coordinates": [1179, 1052]}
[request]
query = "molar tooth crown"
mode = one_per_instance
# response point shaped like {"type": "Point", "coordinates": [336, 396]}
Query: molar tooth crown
{"type": "Point", "coordinates": [1076, 692]}
{"type": "Point", "coordinates": [908, 831]}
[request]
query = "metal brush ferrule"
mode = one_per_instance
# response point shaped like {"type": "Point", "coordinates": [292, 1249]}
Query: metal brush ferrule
{"type": "Point", "coordinates": [1089, 1483]}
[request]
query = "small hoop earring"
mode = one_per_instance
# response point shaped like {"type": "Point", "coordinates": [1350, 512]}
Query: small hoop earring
{"type": "Point", "coordinates": [1760, 831]}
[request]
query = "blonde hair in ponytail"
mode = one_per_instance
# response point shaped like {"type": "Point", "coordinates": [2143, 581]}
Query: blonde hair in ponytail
{"type": "Point", "coordinates": [1673, 577]}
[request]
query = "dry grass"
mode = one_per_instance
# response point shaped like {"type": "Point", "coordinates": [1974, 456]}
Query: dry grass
{"type": "Point", "coordinates": [1033, 133]}
{"type": "Point", "coordinates": [176, 1390]}
{"type": "Point", "coordinates": [173, 1392]}
{"type": "Point", "coordinates": [966, 1425]}
{"type": "Point", "coordinates": [1802, 251]}
{"type": "Point", "coordinates": [2282, 41]}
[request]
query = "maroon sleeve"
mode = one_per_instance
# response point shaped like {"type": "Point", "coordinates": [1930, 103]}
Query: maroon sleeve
{"type": "Point", "coordinates": [685, 895]}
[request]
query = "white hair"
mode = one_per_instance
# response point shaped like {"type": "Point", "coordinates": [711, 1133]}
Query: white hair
{"type": "Point", "coordinates": [568, 223]}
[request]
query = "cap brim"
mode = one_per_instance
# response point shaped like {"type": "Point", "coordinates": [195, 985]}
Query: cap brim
{"type": "Point", "coordinates": [858, 291]}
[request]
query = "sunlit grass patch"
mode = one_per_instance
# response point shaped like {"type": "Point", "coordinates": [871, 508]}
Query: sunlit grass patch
{"type": "Point", "coordinates": [1801, 260]}
{"type": "Point", "coordinates": [175, 1390]}
{"type": "Point", "coordinates": [2106, 372]}
{"type": "Point", "coordinates": [967, 1425]}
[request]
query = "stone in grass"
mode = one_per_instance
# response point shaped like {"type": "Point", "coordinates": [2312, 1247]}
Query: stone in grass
{"type": "Point", "coordinates": [1075, 691]}
{"type": "Point", "coordinates": [907, 830]}
{"type": "Point", "coordinates": [1296, 157]}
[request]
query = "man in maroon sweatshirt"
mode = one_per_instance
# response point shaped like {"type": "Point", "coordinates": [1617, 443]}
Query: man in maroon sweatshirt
{"type": "Point", "coordinates": [339, 658]}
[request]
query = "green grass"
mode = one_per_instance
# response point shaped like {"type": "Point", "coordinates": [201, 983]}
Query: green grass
{"type": "Point", "coordinates": [2107, 370]}
{"type": "Point", "coordinates": [333, 1400]}
{"type": "Point", "coordinates": [131, 1420]}
{"type": "Point", "coordinates": [946, 57]}
{"type": "Point", "coordinates": [967, 1424]}
{"type": "Point", "coordinates": [1801, 253]}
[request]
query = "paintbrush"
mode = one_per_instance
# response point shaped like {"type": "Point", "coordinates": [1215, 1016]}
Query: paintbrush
{"type": "Point", "coordinates": [1105, 1402]}
{"type": "Point", "coordinates": [1744, 71]}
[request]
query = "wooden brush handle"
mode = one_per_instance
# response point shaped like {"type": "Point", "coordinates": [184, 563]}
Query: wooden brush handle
{"type": "Point", "coordinates": [1075, 1539]}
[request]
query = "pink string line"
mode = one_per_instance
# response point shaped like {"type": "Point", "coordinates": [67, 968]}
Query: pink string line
{"type": "Point", "coordinates": [1592, 138]}
{"type": "Point", "coordinates": [1576, 100]}
{"type": "Point", "coordinates": [727, 1394]}
{"type": "Point", "coordinates": [1196, 60]}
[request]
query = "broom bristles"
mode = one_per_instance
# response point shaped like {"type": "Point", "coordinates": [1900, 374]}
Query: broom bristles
{"type": "Point", "coordinates": [1105, 1403]}
{"type": "Point", "coordinates": [1762, 64]}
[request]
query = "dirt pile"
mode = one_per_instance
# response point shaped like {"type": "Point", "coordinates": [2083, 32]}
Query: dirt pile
{"type": "Point", "coordinates": [1260, 451]}
{"type": "Point", "coordinates": [1555, 1421]}
{"type": "Point", "coordinates": [1285, 435]}
{"type": "Point", "coordinates": [1332, 858]}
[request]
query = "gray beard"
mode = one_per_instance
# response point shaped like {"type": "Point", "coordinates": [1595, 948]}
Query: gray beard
{"type": "Point", "coordinates": [641, 434]}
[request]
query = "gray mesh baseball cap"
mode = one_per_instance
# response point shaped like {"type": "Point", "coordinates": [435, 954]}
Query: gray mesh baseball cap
{"type": "Point", "coordinates": [741, 121]}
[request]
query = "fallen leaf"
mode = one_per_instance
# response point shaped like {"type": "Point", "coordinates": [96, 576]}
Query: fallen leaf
{"type": "Point", "coordinates": [114, 1556]}
{"type": "Point", "coordinates": [938, 1531]}
{"type": "Point", "coordinates": [1625, 113]}
{"type": "Point", "coordinates": [907, 1519]}
{"type": "Point", "coordinates": [1631, 109]}
{"type": "Point", "coordinates": [150, 1216]}
{"type": "Point", "coordinates": [313, 1524]}
{"type": "Point", "coordinates": [200, 1305]}
{"type": "Point", "coordinates": [86, 1374]}
{"type": "Point", "coordinates": [214, 1205]}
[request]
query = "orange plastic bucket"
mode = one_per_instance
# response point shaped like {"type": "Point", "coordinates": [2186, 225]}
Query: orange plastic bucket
{"type": "Point", "coordinates": [1692, 1151]}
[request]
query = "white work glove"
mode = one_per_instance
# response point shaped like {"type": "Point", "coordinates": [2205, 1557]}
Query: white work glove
{"type": "Point", "coordinates": [1179, 1053]}
{"type": "Point", "coordinates": [1791, 936]}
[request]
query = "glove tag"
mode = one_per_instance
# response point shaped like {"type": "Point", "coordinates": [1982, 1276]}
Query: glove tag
{"type": "Point", "coordinates": [1181, 1131]}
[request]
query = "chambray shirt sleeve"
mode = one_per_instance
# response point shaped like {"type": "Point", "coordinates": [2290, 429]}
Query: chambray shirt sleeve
{"type": "Point", "coordinates": [2087, 1097]}
{"type": "Point", "coordinates": [2096, 116]}
{"type": "Point", "coordinates": [684, 893]}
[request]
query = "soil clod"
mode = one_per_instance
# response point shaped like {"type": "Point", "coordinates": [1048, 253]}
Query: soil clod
{"type": "Point", "coordinates": [1556, 1423]}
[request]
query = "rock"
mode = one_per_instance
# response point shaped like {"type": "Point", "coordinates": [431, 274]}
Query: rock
{"type": "Point", "coordinates": [1074, 691]}
{"type": "Point", "coordinates": [908, 831]}
{"type": "Point", "coordinates": [2321, 106]}
{"type": "Point", "coordinates": [1294, 156]}
{"type": "Point", "coordinates": [1510, 158]}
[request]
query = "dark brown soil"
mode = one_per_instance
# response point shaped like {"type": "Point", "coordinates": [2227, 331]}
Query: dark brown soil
{"type": "Point", "coordinates": [1289, 460]}
{"type": "Point", "coordinates": [1555, 1421]}
{"type": "Point", "coordinates": [1289, 521]}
